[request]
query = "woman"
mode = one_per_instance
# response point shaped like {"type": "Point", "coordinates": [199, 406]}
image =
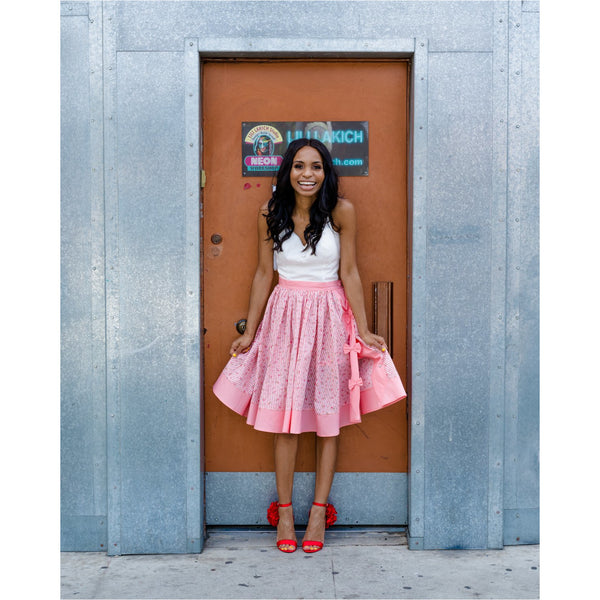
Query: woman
{"type": "Point", "coordinates": [311, 364]}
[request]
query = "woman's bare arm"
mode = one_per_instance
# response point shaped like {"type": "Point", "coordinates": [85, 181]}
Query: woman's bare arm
{"type": "Point", "coordinates": [344, 216]}
{"type": "Point", "coordinates": [261, 285]}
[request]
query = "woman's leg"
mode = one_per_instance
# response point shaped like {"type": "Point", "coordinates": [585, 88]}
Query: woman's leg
{"type": "Point", "coordinates": [327, 448]}
{"type": "Point", "coordinates": [285, 449]}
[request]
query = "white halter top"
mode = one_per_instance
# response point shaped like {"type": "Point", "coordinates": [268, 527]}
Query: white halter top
{"type": "Point", "coordinates": [294, 264]}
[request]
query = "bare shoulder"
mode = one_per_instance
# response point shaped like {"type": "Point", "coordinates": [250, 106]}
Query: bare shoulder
{"type": "Point", "coordinates": [344, 212]}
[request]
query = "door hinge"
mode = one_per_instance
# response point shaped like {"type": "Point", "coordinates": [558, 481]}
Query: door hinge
{"type": "Point", "coordinates": [202, 178]}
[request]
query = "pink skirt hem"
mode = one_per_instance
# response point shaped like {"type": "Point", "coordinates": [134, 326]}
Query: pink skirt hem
{"type": "Point", "coordinates": [294, 421]}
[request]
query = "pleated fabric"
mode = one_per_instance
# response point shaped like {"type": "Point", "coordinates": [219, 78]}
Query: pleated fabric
{"type": "Point", "coordinates": [307, 370]}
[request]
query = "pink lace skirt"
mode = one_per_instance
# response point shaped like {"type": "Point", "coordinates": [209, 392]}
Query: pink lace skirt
{"type": "Point", "coordinates": [307, 370]}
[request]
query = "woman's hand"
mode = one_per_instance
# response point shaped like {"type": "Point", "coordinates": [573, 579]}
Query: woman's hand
{"type": "Point", "coordinates": [241, 344]}
{"type": "Point", "coordinates": [374, 341]}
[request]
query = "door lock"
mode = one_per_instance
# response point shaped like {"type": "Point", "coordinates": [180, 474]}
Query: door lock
{"type": "Point", "coordinates": [216, 238]}
{"type": "Point", "coordinates": [241, 326]}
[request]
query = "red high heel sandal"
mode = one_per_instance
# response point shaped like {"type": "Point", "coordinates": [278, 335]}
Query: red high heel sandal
{"type": "Point", "coordinates": [330, 519]}
{"type": "Point", "coordinates": [273, 518]}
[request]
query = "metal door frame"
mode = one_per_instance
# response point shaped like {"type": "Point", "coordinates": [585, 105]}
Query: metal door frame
{"type": "Point", "coordinates": [416, 50]}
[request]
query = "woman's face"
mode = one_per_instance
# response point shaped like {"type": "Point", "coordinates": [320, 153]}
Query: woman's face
{"type": "Point", "coordinates": [308, 173]}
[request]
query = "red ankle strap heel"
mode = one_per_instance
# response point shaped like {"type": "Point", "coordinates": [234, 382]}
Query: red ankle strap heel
{"type": "Point", "coordinates": [273, 518]}
{"type": "Point", "coordinates": [330, 519]}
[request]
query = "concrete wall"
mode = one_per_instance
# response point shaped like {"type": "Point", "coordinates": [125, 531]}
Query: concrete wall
{"type": "Point", "coordinates": [131, 419]}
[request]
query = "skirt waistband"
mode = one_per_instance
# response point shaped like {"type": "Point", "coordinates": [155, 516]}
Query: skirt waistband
{"type": "Point", "coordinates": [311, 285]}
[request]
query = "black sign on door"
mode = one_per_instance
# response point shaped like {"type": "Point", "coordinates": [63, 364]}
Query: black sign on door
{"type": "Point", "coordinates": [264, 143]}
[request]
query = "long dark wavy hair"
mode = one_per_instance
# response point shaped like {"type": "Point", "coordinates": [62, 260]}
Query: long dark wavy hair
{"type": "Point", "coordinates": [281, 205]}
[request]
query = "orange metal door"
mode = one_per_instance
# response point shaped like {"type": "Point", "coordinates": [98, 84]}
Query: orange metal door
{"type": "Point", "coordinates": [235, 91]}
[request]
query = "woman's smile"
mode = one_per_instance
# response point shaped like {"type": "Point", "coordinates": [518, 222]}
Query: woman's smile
{"type": "Point", "coordinates": [309, 185]}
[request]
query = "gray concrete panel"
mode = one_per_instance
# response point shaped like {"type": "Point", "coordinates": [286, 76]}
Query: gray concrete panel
{"type": "Point", "coordinates": [521, 477]}
{"type": "Point", "coordinates": [387, 493]}
{"type": "Point", "coordinates": [151, 246]}
{"type": "Point", "coordinates": [76, 253]}
{"type": "Point", "coordinates": [72, 9]}
{"type": "Point", "coordinates": [111, 237]}
{"type": "Point", "coordinates": [529, 292]}
{"type": "Point", "coordinates": [521, 526]}
{"type": "Point", "coordinates": [83, 400]}
{"type": "Point", "coordinates": [451, 26]}
{"type": "Point", "coordinates": [522, 469]}
{"type": "Point", "coordinates": [458, 299]}
{"type": "Point", "coordinates": [498, 279]}
{"type": "Point", "coordinates": [193, 324]}
{"type": "Point", "coordinates": [418, 309]}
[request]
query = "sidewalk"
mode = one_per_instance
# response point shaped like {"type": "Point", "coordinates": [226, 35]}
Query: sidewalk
{"type": "Point", "coordinates": [353, 564]}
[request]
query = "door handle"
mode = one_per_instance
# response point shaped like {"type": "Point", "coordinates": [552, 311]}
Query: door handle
{"type": "Point", "coordinates": [382, 311]}
{"type": "Point", "coordinates": [241, 326]}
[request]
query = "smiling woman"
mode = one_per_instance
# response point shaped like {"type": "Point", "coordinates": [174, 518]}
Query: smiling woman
{"type": "Point", "coordinates": [311, 364]}
{"type": "Point", "coordinates": [305, 195]}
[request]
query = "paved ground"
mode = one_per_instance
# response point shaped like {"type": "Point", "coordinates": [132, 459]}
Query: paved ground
{"type": "Point", "coordinates": [353, 564]}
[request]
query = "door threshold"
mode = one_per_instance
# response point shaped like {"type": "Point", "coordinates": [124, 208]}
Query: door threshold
{"type": "Point", "coordinates": [355, 528]}
{"type": "Point", "coordinates": [343, 535]}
